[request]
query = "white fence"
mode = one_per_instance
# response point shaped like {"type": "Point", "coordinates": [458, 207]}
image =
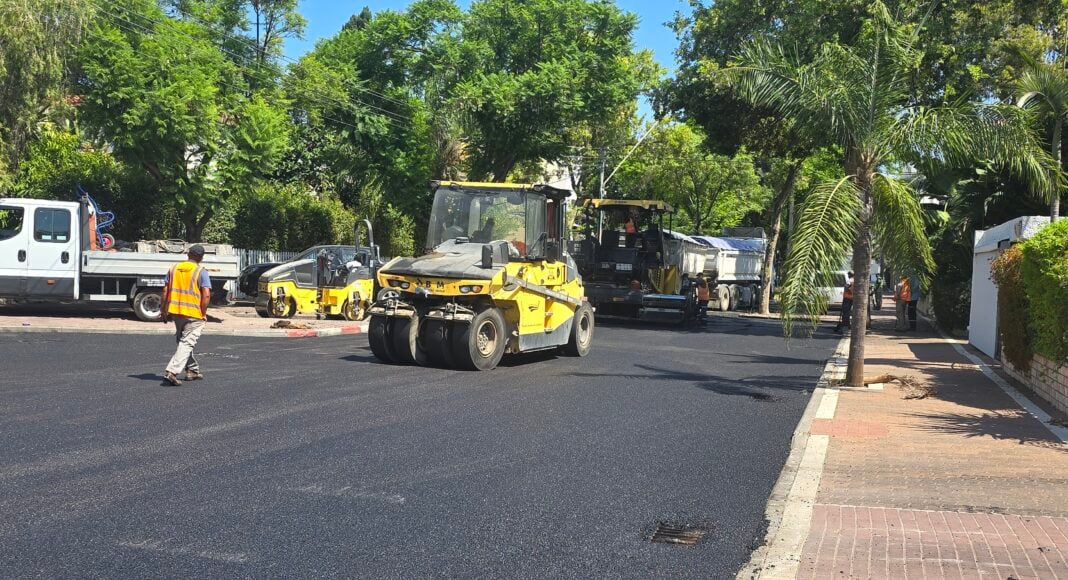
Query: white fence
{"type": "Point", "coordinates": [249, 257]}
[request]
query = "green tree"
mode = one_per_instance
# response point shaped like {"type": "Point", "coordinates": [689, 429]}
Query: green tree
{"type": "Point", "coordinates": [859, 95]}
{"type": "Point", "coordinates": [712, 190]}
{"type": "Point", "coordinates": [37, 38]}
{"type": "Point", "coordinates": [1044, 87]}
{"type": "Point", "coordinates": [166, 99]}
{"type": "Point", "coordinates": [541, 67]}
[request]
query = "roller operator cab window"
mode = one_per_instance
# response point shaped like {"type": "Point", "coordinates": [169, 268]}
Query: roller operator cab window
{"type": "Point", "coordinates": [517, 217]}
{"type": "Point", "coordinates": [51, 225]}
{"type": "Point", "coordinates": [10, 221]}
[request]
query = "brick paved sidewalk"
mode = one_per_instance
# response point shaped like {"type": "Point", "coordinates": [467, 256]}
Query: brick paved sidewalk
{"type": "Point", "coordinates": [959, 484]}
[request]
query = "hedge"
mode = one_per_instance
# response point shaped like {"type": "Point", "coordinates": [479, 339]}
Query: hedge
{"type": "Point", "coordinates": [1013, 308]}
{"type": "Point", "coordinates": [1044, 275]}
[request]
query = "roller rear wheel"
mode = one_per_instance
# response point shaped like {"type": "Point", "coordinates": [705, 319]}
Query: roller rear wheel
{"type": "Point", "coordinates": [378, 336]}
{"type": "Point", "coordinates": [479, 346]}
{"type": "Point", "coordinates": [581, 332]}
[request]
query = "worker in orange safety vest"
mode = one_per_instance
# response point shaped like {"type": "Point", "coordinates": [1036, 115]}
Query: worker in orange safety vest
{"type": "Point", "coordinates": [847, 304]}
{"type": "Point", "coordinates": [186, 295]}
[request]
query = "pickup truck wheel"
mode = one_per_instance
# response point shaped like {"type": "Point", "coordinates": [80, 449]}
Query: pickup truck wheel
{"type": "Point", "coordinates": [147, 305]}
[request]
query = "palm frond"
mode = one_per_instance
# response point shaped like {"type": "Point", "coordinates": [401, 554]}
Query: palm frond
{"type": "Point", "coordinates": [765, 75]}
{"type": "Point", "coordinates": [898, 227]}
{"type": "Point", "coordinates": [824, 235]}
{"type": "Point", "coordinates": [1044, 87]}
{"type": "Point", "coordinates": [961, 134]}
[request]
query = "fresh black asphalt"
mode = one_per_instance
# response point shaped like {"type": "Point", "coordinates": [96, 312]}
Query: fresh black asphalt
{"type": "Point", "coordinates": [307, 458]}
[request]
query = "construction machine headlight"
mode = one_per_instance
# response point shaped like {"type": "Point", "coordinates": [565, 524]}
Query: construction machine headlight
{"type": "Point", "coordinates": [470, 289]}
{"type": "Point", "coordinates": [394, 283]}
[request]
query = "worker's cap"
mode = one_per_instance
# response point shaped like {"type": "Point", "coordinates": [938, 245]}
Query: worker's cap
{"type": "Point", "coordinates": [196, 250]}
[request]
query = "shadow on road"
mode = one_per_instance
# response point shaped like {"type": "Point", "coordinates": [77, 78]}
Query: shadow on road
{"type": "Point", "coordinates": [754, 387]}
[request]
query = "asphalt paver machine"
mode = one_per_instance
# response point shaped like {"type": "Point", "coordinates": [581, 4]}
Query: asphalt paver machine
{"type": "Point", "coordinates": [633, 263]}
{"type": "Point", "coordinates": [496, 279]}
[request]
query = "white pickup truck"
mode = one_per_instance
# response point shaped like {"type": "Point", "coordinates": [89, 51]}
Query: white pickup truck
{"type": "Point", "coordinates": [45, 255]}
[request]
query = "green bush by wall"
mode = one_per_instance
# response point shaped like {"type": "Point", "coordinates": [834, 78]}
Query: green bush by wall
{"type": "Point", "coordinates": [1012, 308]}
{"type": "Point", "coordinates": [1044, 275]}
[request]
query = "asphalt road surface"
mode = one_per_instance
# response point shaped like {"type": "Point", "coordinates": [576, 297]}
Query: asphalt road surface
{"type": "Point", "coordinates": [307, 458]}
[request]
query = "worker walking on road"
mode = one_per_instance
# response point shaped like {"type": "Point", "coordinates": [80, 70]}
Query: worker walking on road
{"type": "Point", "coordinates": [902, 297]}
{"type": "Point", "coordinates": [185, 300]}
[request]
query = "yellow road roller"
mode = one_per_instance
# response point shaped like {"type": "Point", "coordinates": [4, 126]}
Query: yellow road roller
{"type": "Point", "coordinates": [496, 280]}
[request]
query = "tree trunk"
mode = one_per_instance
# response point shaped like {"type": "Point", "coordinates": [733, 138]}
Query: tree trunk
{"type": "Point", "coordinates": [1055, 149]}
{"type": "Point", "coordinates": [194, 225]}
{"type": "Point", "coordinates": [777, 206]}
{"type": "Point", "coordinates": [861, 280]}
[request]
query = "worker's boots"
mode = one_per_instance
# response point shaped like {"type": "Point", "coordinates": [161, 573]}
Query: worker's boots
{"type": "Point", "coordinates": [171, 378]}
{"type": "Point", "coordinates": [193, 375]}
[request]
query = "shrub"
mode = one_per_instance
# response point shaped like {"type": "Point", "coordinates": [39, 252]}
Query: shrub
{"type": "Point", "coordinates": [289, 218]}
{"type": "Point", "coordinates": [951, 287]}
{"type": "Point", "coordinates": [1044, 273]}
{"type": "Point", "coordinates": [1013, 308]}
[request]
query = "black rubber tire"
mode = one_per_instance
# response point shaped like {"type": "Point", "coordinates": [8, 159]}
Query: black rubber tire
{"type": "Point", "coordinates": [722, 298]}
{"type": "Point", "coordinates": [406, 346]}
{"type": "Point", "coordinates": [263, 313]}
{"type": "Point", "coordinates": [436, 337]}
{"type": "Point", "coordinates": [467, 354]}
{"type": "Point", "coordinates": [378, 336]}
{"type": "Point", "coordinates": [147, 304]}
{"type": "Point", "coordinates": [581, 339]}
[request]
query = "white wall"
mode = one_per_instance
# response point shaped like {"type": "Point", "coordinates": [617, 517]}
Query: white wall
{"type": "Point", "coordinates": [983, 317]}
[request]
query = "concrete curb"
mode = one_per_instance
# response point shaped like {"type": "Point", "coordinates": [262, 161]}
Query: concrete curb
{"type": "Point", "coordinates": [160, 329]}
{"type": "Point", "coordinates": [789, 509]}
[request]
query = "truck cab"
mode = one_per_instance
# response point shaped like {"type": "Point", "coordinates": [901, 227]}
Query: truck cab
{"type": "Point", "coordinates": [40, 242]}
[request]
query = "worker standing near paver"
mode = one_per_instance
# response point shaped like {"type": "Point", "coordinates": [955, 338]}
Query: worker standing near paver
{"type": "Point", "coordinates": [185, 299]}
{"type": "Point", "coordinates": [914, 300]}
{"type": "Point", "coordinates": [847, 304]}
{"type": "Point", "coordinates": [902, 297]}
{"type": "Point", "coordinates": [703, 297]}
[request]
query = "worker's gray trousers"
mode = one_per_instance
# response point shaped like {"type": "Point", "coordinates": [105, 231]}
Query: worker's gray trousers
{"type": "Point", "coordinates": [187, 332]}
{"type": "Point", "coordinates": [902, 322]}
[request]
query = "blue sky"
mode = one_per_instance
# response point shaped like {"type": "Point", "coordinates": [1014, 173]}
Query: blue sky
{"type": "Point", "coordinates": [326, 17]}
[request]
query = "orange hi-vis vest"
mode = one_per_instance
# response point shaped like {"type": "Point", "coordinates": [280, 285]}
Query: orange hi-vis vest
{"type": "Point", "coordinates": [906, 290]}
{"type": "Point", "coordinates": [702, 292]}
{"type": "Point", "coordinates": [184, 299]}
{"type": "Point", "coordinates": [847, 292]}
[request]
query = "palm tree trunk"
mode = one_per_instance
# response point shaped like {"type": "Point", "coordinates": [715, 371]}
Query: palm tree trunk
{"type": "Point", "coordinates": [861, 281]}
{"type": "Point", "coordinates": [1055, 150]}
{"type": "Point", "coordinates": [777, 206]}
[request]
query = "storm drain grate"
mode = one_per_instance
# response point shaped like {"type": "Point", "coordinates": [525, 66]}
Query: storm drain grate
{"type": "Point", "coordinates": [676, 533]}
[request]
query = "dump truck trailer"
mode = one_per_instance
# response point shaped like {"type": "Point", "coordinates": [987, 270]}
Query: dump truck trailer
{"type": "Point", "coordinates": [733, 265]}
{"type": "Point", "coordinates": [45, 256]}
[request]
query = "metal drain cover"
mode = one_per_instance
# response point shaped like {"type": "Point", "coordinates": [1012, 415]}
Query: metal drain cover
{"type": "Point", "coordinates": [676, 533]}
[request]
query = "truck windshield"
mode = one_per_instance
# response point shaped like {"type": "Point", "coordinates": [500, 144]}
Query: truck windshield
{"type": "Point", "coordinates": [517, 217]}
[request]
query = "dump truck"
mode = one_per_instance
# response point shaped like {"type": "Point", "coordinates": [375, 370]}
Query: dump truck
{"type": "Point", "coordinates": [45, 255]}
{"type": "Point", "coordinates": [632, 262]}
{"type": "Point", "coordinates": [496, 279]}
{"type": "Point", "coordinates": [734, 266]}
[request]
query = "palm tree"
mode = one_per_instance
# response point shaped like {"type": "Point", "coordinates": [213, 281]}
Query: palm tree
{"type": "Point", "coordinates": [1044, 87]}
{"type": "Point", "coordinates": [857, 97]}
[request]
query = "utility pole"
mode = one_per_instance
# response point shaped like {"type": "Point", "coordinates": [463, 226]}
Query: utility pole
{"type": "Point", "coordinates": [600, 191]}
